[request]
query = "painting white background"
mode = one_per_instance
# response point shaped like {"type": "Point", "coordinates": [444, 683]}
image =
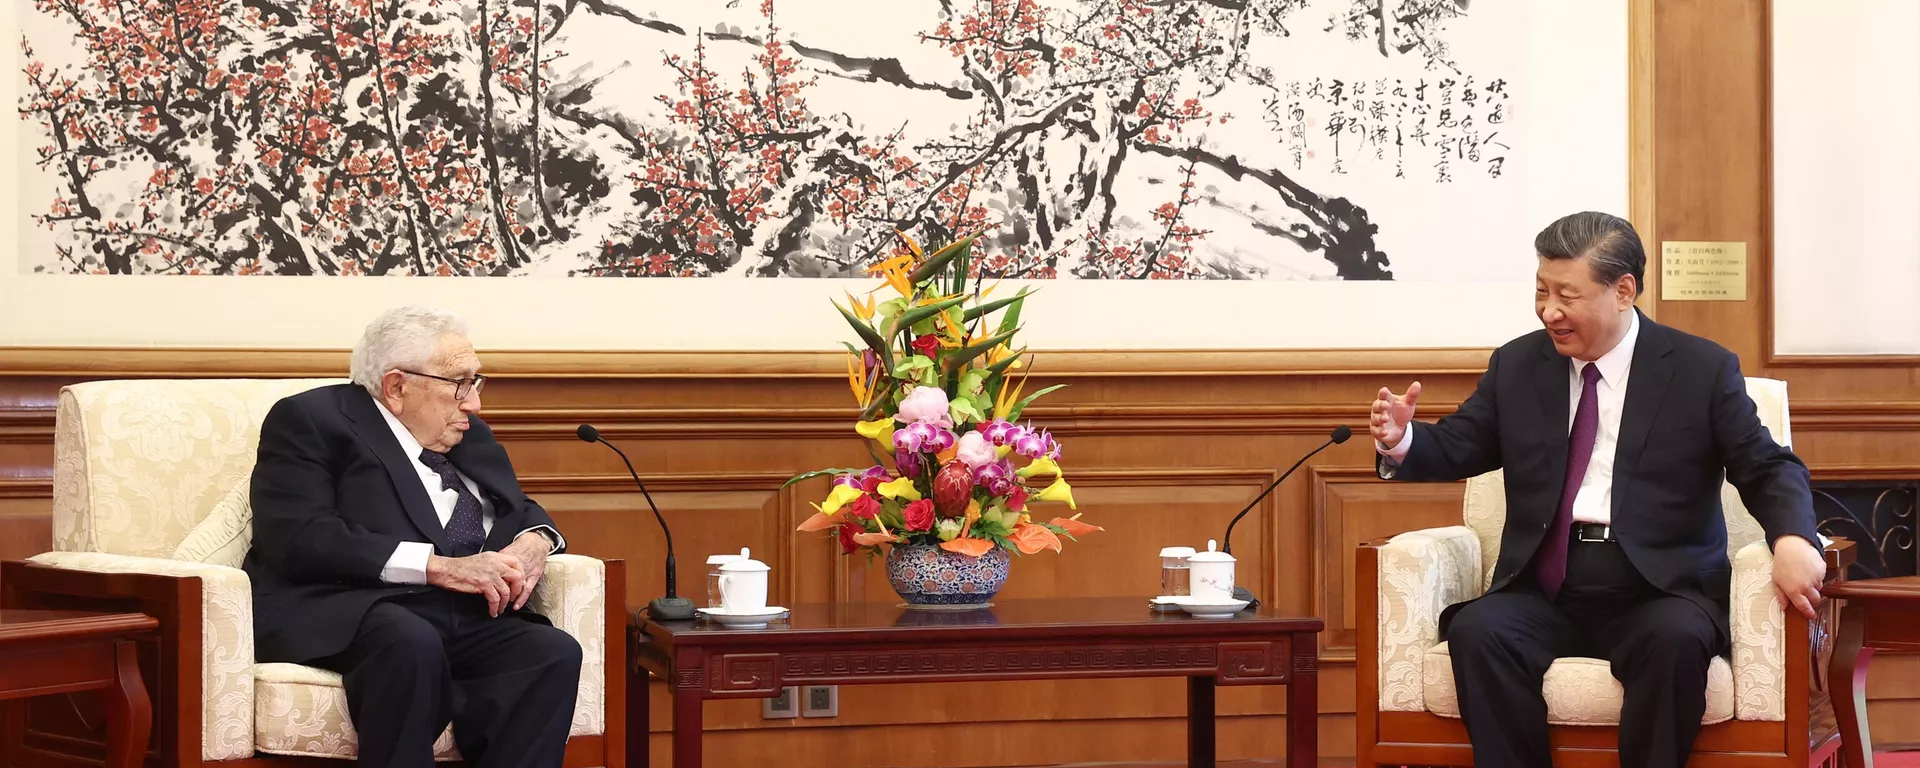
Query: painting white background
{"type": "Point", "coordinates": [1461, 254]}
{"type": "Point", "coordinates": [1846, 177]}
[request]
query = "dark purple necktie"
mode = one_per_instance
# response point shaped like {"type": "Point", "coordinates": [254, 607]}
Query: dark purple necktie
{"type": "Point", "coordinates": [465, 530]}
{"type": "Point", "coordinates": [1552, 563]}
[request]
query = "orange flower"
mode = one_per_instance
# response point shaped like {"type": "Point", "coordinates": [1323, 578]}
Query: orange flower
{"type": "Point", "coordinates": [1074, 526]}
{"type": "Point", "coordinates": [873, 539]}
{"type": "Point", "coordinates": [819, 522]}
{"type": "Point", "coordinates": [973, 547]}
{"type": "Point", "coordinates": [1032, 538]}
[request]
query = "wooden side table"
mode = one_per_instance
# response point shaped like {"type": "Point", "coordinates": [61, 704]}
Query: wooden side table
{"type": "Point", "coordinates": [48, 652]}
{"type": "Point", "coordinates": [1879, 614]}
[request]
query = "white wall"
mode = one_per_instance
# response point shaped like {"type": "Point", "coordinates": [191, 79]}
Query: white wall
{"type": "Point", "coordinates": [1846, 177]}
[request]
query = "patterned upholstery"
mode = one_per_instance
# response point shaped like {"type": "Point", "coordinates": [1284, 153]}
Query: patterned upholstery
{"type": "Point", "coordinates": [1422, 572]}
{"type": "Point", "coordinates": [152, 477]}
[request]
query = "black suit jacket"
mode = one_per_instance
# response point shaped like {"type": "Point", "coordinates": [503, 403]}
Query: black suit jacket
{"type": "Point", "coordinates": [1687, 423]}
{"type": "Point", "coordinates": [333, 495]}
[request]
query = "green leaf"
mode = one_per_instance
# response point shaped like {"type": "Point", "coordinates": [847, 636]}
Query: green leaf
{"type": "Point", "coordinates": [819, 472]}
{"type": "Point", "coordinates": [1028, 400]}
{"type": "Point", "coordinates": [1000, 368]}
{"type": "Point", "coordinates": [961, 262]}
{"type": "Point", "coordinates": [938, 261]}
{"type": "Point", "coordinates": [976, 312]}
{"type": "Point", "coordinates": [881, 398]}
{"type": "Point", "coordinates": [1011, 319]}
{"type": "Point", "coordinates": [868, 335]}
{"type": "Point", "coordinates": [908, 367]}
{"type": "Point", "coordinates": [913, 317]}
{"type": "Point", "coordinates": [966, 354]}
{"type": "Point", "coordinates": [983, 402]}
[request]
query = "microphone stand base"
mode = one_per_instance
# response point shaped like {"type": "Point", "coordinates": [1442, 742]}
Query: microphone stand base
{"type": "Point", "coordinates": [670, 609]}
{"type": "Point", "coordinates": [1242, 593]}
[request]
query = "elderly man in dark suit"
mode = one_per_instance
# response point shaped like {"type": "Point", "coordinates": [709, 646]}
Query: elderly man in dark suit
{"type": "Point", "coordinates": [1615, 433]}
{"type": "Point", "coordinates": [392, 544]}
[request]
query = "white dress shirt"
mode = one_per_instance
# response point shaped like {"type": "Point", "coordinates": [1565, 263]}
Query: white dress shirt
{"type": "Point", "coordinates": [408, 563]}
{"type": "Point", "coordinates": [1594, 501]}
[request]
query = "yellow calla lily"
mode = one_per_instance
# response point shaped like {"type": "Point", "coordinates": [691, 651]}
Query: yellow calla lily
{"type": "Point", "coordinates": [1002, 451]}
{"type": "Point", "coordinates": [841, 496]}
{"type": "Point", "coordinates": [1059, 491]}
{"type": "Point", "coordinates": [1040, 466]}
{"type": "Point", "coordinates": [880, 429]}
{"type": "Point", "coordinates": [899, 488]}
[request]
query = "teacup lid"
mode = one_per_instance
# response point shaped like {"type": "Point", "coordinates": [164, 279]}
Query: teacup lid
{"type": "Point", "coordinates": [1211, 555]}
{"type": "Point", "coordinates": [1176, 552]}
{"type": "Point", "coordinates": [743, 562]}
{"type": "Point", "coordinates": [718, 559]}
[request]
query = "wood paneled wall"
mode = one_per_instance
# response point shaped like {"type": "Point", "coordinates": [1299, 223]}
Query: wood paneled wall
{"type": "Point", "coordinates": [1162, 448]}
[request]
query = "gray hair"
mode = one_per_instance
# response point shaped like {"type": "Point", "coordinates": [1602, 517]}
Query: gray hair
{"type": "Point", "coordinates": [1608, 242]}
{"type": "Point", "coordinates": [406, 337]}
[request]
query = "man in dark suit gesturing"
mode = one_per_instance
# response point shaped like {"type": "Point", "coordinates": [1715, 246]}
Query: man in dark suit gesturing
{"type": "Point", "coordinates": [1615, 433]}
{"type": "Point", "coordinates": [392, 544]}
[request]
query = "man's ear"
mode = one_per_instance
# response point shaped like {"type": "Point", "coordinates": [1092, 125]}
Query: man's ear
{"type": "Point", "coordinates": [1625, 290]}
{"type": "Point", "coordinates": [392, 386]}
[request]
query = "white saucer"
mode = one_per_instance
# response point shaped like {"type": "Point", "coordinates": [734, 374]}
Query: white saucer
{"type": "Point", "coordinates": [1212, 610]}
{"type": "Point", "coordinates": [750, 619]}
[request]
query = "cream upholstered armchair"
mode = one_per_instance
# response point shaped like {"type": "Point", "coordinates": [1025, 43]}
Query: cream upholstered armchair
{"type": "Point", "coordinates": [151, 513]}
{"type": "Point", "coordinates": [1761, 708]}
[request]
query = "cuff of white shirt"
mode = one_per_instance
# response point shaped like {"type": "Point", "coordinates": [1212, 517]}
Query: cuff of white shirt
{"type": "Point", "coordinates": [556, 541]}
{"type": "Point", "coordinates": [1398, 452]}
{"type": "Point", "coordinates": [408, 563]}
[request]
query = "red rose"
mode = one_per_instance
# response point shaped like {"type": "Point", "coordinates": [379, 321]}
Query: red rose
{"type": "Point", "coordinates": [919, 515]}
{"type": "Point", "coordinates": [864, 508]}
{"type": "Point", "coordinates": [847, 531]}
{"type": "Point", "coordinates": [927, 345]}
{"type": "Point", "coordinates": [1017, 501]}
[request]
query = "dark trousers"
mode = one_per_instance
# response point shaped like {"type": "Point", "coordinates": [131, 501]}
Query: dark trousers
{"type": "Point", "coordinates": [1658, 645]}
{"type": "Point", "coordinates": [420, 661]}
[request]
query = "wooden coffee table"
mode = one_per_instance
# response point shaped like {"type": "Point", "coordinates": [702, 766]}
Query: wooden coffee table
{"type": "Point", "coordinates": [48, 652]}
{"type": "Point", "coordinates": [1879, 614]}
{"type": "Point", "coordinates": [1044, 639]}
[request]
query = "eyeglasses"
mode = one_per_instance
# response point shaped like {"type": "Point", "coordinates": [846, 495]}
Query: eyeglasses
{"type": "Point", "coordinates": [461, 387]}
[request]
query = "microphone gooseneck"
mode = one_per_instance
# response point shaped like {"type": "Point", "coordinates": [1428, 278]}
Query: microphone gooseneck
{"type": "Point", "coordinates": [1240, 592]}
{"type": "Point", "coordinates": [672, 606]}
{"type": "Point", "coordinates": [1339, 435]}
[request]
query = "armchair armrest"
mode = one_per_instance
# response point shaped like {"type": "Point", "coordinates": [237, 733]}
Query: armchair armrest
{"type": "Point", "coordinates": [204, 681]}
{"type": "Point", "coordinates": [1840, 554]}
{"type": "Point", "coordinates": [1419, 574]}
{"type": "Point", "coordinates": [575, 596]}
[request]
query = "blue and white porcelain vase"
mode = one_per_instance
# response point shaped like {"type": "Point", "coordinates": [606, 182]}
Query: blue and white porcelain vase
{"type": "Point", "coordinates": [926, 575]}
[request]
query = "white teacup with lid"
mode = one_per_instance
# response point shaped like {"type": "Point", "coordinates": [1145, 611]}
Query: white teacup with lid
{"type": "Point", "coordinates": [743, 585]}
{"type": "Point", "coordinates": [1211, 575]}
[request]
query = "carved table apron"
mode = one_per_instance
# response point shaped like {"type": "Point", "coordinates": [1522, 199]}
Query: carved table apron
{"type": "Point", "coordinates": [1044, 639]}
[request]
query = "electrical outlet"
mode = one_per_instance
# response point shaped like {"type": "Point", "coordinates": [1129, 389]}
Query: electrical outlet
{"type": "Point", "coordinates": [822, 701]}
{"type": "Point", "coordinates": [787, 704]}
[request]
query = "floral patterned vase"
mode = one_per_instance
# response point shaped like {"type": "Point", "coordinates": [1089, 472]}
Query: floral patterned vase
{"type": "Point", "coordinates": [926, 575]}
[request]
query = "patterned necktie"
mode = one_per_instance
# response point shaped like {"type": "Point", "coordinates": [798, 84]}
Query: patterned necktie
{"type": "Point", "coordinates": [464, 529]}
{"type": "Point", "coordinates": [1552, 563]}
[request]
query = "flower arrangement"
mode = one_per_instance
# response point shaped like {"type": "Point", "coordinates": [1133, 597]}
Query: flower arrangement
{"type": "Point", "coordinates": [940, 412]}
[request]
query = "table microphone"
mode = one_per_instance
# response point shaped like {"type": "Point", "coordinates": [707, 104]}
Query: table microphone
{"type": "Point", "coordinates": [1240, 592]}
{"type": "Point", "coordinates": [672, 607]}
